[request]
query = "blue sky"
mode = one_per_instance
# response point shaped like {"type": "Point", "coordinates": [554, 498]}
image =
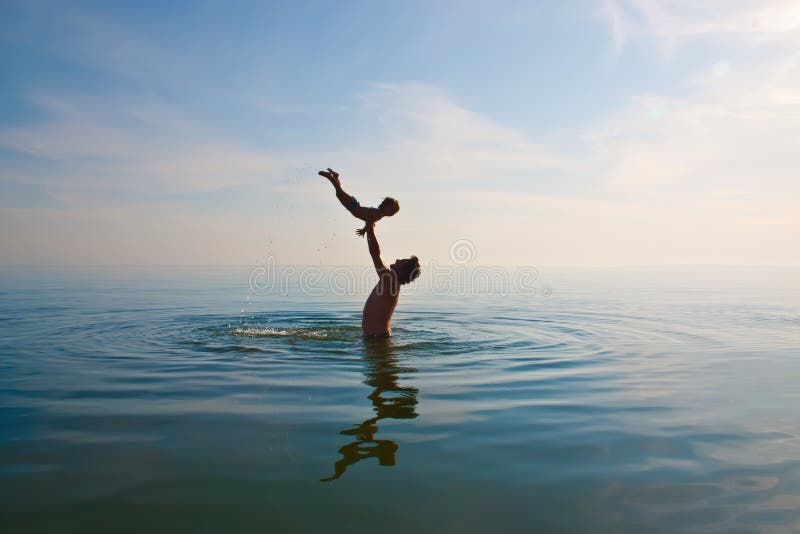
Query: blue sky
{"type": "Point", "coordinates": [579, 133]}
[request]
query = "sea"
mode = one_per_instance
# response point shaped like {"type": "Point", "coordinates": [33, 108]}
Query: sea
{"type": "Point", "coordinates": [509, 399]}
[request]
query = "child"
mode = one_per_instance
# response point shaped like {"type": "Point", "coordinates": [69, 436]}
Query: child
{"type": "Point", "coordinates": [387, 208]}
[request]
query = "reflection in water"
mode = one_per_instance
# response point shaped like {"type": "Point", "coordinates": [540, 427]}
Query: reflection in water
{"type": "Point", "coordinates": [389, 401]}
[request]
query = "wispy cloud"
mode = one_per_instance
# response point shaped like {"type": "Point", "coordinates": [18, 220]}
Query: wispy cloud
{"type": "Point", "coordinates": [675, 23]}
{"type": "Point", "coordinates": [738, 131]}
{"type": "Point", "coordinates": [432, 138]}
{"type": "Point", "coordinates": [733, 124]}
{"type": "Point", "coordinates": [135, 147]}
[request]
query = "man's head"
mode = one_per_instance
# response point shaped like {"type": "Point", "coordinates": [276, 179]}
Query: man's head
{"type": "Point", "coordinates": [389, 206]}
{"type": "Point", "coordinates": [407, 270]}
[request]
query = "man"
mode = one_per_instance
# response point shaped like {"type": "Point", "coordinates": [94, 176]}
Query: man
{"type": "Point", "coordinates": [378, 310]}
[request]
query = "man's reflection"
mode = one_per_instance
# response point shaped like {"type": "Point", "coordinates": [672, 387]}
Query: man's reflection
{"type": "Point", "coordinates": [389, 400]}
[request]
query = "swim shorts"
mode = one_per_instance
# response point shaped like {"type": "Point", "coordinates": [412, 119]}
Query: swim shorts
{"type": "Point", "coordinates": [355, 204]}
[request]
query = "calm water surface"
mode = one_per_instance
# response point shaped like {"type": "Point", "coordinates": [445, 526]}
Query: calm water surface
{"type": "Point", "coordinates": [175, 399]}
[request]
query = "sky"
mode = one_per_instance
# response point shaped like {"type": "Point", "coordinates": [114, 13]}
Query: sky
{"type": "Point", "coordinates": [608, 132]}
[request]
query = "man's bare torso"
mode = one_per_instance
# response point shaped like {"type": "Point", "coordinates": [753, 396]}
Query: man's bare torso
{"type": "Point", "coordinates": [380, 305]}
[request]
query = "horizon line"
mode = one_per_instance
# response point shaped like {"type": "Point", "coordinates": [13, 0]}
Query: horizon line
{"type": "Point", "coordinates": [258, 264]}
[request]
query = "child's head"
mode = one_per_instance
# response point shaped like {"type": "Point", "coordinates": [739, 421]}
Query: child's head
{"type": "Point", "coordinates": [407, 270]}
{"type": "Point", "coordinates": [389, 206]}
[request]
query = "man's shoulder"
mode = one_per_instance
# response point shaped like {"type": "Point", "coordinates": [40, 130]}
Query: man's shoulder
{"type": "Point", "coordinates": [388, 285]}
{"type": "Point", "coordinates": [387, 274]}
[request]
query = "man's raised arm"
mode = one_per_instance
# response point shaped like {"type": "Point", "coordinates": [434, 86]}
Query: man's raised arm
{"type": "Point", "coordinates": [374, 249]}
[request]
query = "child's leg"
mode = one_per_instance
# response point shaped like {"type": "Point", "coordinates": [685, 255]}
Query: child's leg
{"type": "Point", "coordinates": [349, 202]}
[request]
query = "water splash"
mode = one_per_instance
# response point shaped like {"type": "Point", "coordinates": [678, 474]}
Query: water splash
{"type": "Point", "coordinates": [303, 333]}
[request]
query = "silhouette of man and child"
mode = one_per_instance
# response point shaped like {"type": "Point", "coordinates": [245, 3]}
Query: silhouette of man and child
{"type": "Point", "coordinates": [376, 321]}
{"type": "Point", "coordinates": [389, 399]}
